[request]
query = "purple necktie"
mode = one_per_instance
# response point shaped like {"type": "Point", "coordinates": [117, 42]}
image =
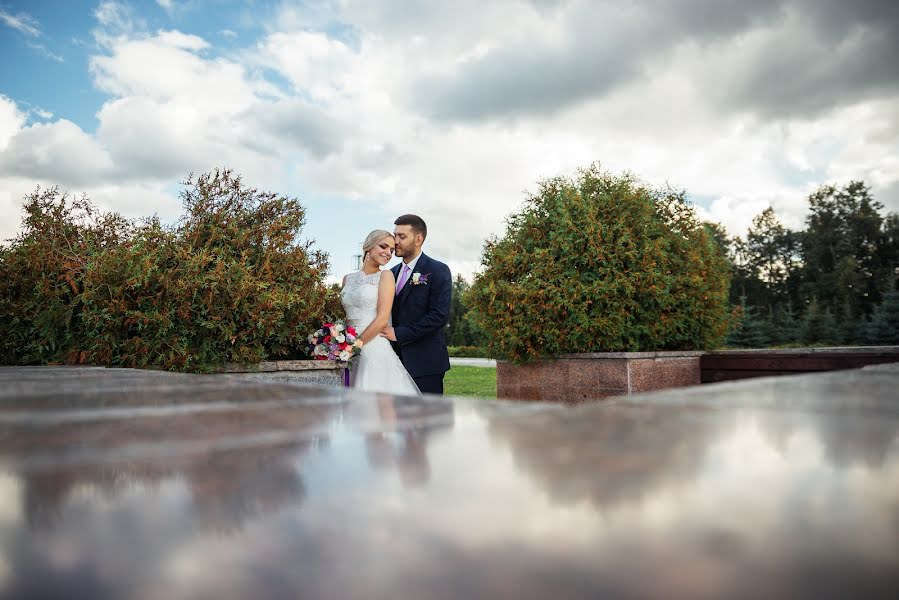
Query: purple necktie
{"type": "Point", "coordinates": [403, 277]}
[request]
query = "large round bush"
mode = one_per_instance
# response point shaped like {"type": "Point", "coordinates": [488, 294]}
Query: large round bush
{"type": "Point", "coordinates": [232, 281]}
{"type": "Point", "coordinates": [601, 262]}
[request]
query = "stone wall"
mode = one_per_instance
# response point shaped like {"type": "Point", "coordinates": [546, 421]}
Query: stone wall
{"type": "Point", "coordinates": [316, 372]}
{"type": "Point", "coordinates": [726, 365]}
{"type": "Point", "coordinates": [596, 375]}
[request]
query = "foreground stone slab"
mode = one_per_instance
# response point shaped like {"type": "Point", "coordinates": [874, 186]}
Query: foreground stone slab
{"type": "Point", "coordinates": [135, 484]}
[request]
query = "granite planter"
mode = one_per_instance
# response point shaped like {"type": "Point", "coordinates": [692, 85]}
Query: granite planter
{"type": "Point", "coordinates": [596, 375]}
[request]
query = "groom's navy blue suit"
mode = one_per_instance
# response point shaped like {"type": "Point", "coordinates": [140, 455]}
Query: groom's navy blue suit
{"type": "Point", "coordinates": [420, 314]}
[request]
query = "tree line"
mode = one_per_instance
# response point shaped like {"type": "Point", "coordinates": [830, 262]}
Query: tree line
{"type": "Point", "coordinates": [833, 282]}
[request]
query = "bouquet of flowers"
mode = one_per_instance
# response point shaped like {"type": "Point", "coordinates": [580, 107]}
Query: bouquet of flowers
{"type": "Point", "coordinates": [334, 341]}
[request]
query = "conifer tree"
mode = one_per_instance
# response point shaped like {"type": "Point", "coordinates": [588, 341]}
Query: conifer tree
{"type": "Point", "coordinates": [818, 326]}
{"type": "Point", "coordinates": [785, 327]}
{"type": "Point", "coordinates": [847, 329]}
{"type": "Point", "coordinates": [750, 333]}
{"type": "Point", "coordinates": [883, 329]}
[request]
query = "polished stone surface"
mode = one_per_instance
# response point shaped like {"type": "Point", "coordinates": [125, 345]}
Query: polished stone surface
{"type": "Point", "coordinates": [130, 484]}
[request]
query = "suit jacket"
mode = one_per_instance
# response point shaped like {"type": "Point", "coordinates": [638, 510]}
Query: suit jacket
{"type": "Point", "coordinates": [420, 314]}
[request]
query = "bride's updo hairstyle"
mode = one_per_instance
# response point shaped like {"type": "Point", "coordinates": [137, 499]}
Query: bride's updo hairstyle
{"type": "Point", "coordinates": [372, 239]}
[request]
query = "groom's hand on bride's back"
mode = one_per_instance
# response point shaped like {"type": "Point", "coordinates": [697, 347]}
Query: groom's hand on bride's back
{"type": "Point", "coordinates": [388, 333]}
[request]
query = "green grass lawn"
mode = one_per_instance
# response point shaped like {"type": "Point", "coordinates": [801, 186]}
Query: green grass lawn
{"type": "Point", "coordinates": [471, 381]}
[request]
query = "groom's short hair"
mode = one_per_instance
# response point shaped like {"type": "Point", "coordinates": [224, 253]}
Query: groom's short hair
{"type": "Point", "coordinates": [415, 222]}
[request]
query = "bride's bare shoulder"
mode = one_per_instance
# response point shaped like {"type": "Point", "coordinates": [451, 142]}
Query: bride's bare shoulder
{"type": "Point", "coordinates": [387, 275]}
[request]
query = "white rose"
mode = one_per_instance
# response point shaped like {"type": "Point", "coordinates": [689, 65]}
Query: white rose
{"type": "Point", "coordinates": [416, 277]}
{"type": "Point", "coordinates": [345, 355]}
{"type": "Point", "coordinates": [340, 338]}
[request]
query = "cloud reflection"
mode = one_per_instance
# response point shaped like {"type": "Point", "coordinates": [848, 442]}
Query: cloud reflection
{"type": "Point", "coordinates": [390, 497]}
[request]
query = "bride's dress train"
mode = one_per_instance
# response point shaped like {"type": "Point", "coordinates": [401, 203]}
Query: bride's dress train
{"type": "Point", "coordinates": [377, 368]}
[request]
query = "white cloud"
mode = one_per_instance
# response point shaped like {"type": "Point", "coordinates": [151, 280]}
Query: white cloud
{"type": "Point", "coordinates": [59, 149]}
{"type": "Point", "coordinates": [29, 27]}
{"type": "Point", "coordinates": [314, 64]}
{"type": "Point", "coordinates": [397, 107]}
{"type": "Point", "coordinates": [115, 21]}
{"type": "Point", "coordinates": [21, 22]}
{"type": "Point", "coordinates": [174, 111]}
{"type": "Point", "coordinates": [168, 65]}
{"type": "Point", "coordinates": [11, 120]}
{"type": "Point", "coordinates": [667, 125]}
{"type": "Point", "coordinates": [42, 49]}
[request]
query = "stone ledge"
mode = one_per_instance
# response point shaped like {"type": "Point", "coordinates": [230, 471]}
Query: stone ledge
{"type": "Point", "coordinates": [661, 354]}
{"type": "Point", "coordinates": [866, 350]}
{"type": "Point", "coordinates": [665, 354]}
{"type": "Point", "coordinates": [274, 366]}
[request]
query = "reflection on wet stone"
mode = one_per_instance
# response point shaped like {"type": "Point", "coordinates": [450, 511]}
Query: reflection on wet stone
{"type": "Point", "coordinates": [231, 487]}
{"type": "Point", "coordinates": [124, 484]}
{"type": "Point", "coordinates": [637, 449]}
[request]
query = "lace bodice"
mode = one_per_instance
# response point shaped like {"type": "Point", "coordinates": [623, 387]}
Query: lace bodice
{"type": "Point", "coordinates": [360, 298]}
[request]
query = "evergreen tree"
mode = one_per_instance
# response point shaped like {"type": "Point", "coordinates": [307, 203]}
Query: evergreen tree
{"type": "Point", "coordinates": [785, 327]}
{"type": "Point", "coordinates": [461, 331]}
{"type": "Point", "coordinates": [457, 334]}
{"type": "Point", "coordinates": [883, 330]}
{"type": "Point", "coordinates": [844, 250]}
{"type": "Point", "coordinates": [718, 234]}
{"type": "Point", "coordinates": [768, 329]}
{"type": "Point", "coordinates": [750, 331]}
{"type": "Point", "coordinates": [889, 251]}
{"type": "Point", "coordinates": [818, 326]}
{"type": "Point", "coordinates": [745, 287]}
{"type": "Point", "coordinates": [772, 252]}
{"type": "Point", "coordinates": [847, 328]}
{"type": "Point", "coordinates": [866, 332]}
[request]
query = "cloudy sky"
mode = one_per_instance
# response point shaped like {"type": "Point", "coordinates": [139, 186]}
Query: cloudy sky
{"type": "Point", "coordinates": [453, 110]}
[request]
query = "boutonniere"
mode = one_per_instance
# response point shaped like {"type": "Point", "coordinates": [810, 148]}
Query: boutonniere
{"type": "Point", "coordinates": [420, 278]}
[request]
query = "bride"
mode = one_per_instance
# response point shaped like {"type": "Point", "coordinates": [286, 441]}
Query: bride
{"type": "Point", "coordinates": [367, 298]}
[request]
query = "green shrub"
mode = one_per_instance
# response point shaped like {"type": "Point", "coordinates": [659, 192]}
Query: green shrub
{"type": "Point", "coordinates": [230, 282]}
{"type": "Point", "coordinates": [42, 276]}
{"type": "Point", "coordinates": [601, 263]}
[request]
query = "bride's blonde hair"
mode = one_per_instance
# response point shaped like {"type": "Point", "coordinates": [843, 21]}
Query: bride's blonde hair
{"type": "Point", "coordinates": [372, 239]}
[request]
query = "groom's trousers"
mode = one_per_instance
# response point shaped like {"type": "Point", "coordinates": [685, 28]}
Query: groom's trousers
{"type": "Point", "coordinates": [430, 384]}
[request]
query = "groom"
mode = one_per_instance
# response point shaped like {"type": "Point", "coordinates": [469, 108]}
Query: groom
{"type": "Point", "coordinates": [421, 308]}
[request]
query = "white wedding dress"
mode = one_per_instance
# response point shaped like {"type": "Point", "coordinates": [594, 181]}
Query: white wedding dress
{"type": "Point", "coordinates": [377, 368]}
